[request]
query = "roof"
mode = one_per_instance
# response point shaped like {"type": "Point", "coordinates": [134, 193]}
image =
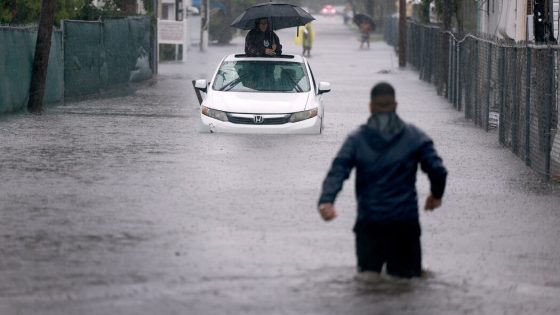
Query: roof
{"type": "Point", "coordinates": [237, 57]}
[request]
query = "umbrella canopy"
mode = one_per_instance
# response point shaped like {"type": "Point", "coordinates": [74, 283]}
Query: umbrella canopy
{"type": "Point", "coordinates": [280, 15]}
{"type": "Point", "coordinates": [361, 17]}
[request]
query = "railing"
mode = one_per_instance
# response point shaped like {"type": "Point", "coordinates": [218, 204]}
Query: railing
{"type": "Point", "coordinates": [496, 83]}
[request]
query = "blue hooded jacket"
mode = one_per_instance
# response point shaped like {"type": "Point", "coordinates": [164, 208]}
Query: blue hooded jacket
{"type": "Point", "coordinates": [386, 153]}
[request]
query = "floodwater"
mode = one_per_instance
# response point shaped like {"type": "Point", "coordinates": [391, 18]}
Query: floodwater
{"type": "Point", "coordinates": [118, 206]}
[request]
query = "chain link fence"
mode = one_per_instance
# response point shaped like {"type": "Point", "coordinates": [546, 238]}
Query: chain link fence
{"type": "Point", "coordinates": [496, 83]}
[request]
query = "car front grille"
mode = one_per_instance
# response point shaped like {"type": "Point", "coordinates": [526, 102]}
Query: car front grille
{"type": "Point", "coordinates": [255, 119]}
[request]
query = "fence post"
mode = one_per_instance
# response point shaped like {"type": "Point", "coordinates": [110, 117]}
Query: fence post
{"type": "Point", "coordinates": [489, 88]}
{"type": "Point", "coordinates": [474, 112]}
{"type": "Point", "coordinates": [514, 106]}
{"type": "Point", "coordinates": [503, 94]}
{"type": "Point", "coordinates": [548, 110]}
{"type": "Point", "coordinates": [454, 75]}
{"type": "Point", "coordinates": [62, 30]}
{"type": "Point", "coordinates": [449, 79]}
{"type": "Point", "coordinates": [528, 88]}
{"type": "Point", "coordinates": [458, 95]}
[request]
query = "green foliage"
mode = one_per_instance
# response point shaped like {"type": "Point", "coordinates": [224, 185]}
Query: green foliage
{"type": "Point", "coordinates": [454, 5]}
{"type": "Point", "coordinates": [220, 30]}
{"type": "Point", "coordinates": [148, 6]}
{"type": "Point", "coordinates": [220, 20]}
{"type": "Point", "coordinates": [22, 12]}
{"type": "Point", "coordinates": [425, 11]}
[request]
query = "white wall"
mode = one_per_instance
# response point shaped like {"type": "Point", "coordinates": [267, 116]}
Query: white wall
{"type": "Point", "coordinates": [555, 8]}
{"type": "Point", "coordinates": [504, 18]}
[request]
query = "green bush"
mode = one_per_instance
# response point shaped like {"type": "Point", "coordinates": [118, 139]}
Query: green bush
{"type": "Point", "coordinates": [22, 12]}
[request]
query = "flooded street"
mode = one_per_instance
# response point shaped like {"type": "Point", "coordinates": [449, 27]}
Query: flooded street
{"type": "Point", "coordinates": [119, 206]}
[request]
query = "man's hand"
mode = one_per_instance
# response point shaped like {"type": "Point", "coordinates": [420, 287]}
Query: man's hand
{"type": "Point", "coordinates": [269, 52]}
{"type": "Point", "coordinates": [327, 211]}
{"type": "Point", "coordinates": [432, 203]}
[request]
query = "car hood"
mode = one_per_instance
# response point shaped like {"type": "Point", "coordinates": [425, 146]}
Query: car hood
{"type": "Point", "coordinates": [261, 103]}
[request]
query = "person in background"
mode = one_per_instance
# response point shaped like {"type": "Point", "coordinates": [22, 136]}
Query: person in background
{"type": "Point", "coordinates": [365, 30]}
{"type": "Point", "coordinates": [347, 13]}
{"type": "Point", "coordinates": [305, 37]}
{"type": "Point", "coordinates": [261, 41]}
{"type": "Point", "coordinates": [386, 153]}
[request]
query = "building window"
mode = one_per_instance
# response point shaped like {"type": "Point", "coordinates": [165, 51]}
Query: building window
{"type": "Point", "coordinates": [165, 8]}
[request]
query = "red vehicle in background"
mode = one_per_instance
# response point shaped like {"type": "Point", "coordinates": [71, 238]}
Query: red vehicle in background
{"type": "Point", "coordinates": [328, 10]}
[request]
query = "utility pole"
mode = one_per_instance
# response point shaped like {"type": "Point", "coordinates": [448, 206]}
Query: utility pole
{"type": "Point", "coordinates": [205, 24]}
{"type": "Point", "coordinates": [41, 59]}
{"type": "Point", "coordinates": [402, 33]}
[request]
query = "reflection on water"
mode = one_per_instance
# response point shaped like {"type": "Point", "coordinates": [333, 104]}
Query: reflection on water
{"type": "Point", "coordinates": [374, 284]}
{"type": "Point", "coordinates": [346, 281]}
{"type": "Point", "coordinates": [383, 284]}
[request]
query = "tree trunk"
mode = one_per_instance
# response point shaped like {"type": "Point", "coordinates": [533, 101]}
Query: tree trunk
{"type": "Point", "coordinates": [41, 59]}
{"type": "Point", "coordinates": [402, 33]}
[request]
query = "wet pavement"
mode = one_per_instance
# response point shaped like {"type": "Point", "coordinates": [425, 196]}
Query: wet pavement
{"type": "Point", "coordinates": [118, 206]}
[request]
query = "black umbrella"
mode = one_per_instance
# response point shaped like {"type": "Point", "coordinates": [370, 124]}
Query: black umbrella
{"type": "Point", "coordinates": [280, 15]}
{"type": "Point", "coordinates": [359, 18]}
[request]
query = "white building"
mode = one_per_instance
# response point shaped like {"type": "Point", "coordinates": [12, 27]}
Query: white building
{"type": "Point", "coordinates": [512, 19]}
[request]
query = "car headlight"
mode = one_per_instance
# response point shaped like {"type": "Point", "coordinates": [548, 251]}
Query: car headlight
{"type": "Point", "coordinates": [299, 116]}
{"type": "Point", "coordinates": [212, 113]}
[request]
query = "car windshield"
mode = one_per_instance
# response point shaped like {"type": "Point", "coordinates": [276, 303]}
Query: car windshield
{"type": "Point", "coordinates": [263, 76]}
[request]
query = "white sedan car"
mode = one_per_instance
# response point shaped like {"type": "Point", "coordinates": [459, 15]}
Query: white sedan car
{"type": "Point", "coordinates": [262, 95]}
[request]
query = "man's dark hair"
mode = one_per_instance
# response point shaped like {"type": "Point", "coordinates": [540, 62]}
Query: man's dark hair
{"type": "Point", "coordinates": [382, 98]}
{"type": "Point", "coordinates": [382, 89]}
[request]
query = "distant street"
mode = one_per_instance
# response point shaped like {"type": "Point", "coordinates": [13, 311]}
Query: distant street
{"type": "Point", "coordinates": [118, 206]}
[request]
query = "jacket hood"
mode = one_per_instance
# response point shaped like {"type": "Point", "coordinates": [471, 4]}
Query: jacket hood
{"type": "Point", "coordinates": [382, 129]}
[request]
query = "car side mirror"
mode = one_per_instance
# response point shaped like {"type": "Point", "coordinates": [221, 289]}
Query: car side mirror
{"type": "Point", "coordinates": [324, 87]}
{"type": "Point", "coordinates": [201, 85]}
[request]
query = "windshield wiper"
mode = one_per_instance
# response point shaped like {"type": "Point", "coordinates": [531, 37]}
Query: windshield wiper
{"type": "Point", "coordinates": [296, 85]}
{"type": "Point", "coordinates": [230, 85]}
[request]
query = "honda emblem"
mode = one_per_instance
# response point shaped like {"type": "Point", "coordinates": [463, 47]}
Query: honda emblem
{"type": "Point", "coordinates": [258, 119]}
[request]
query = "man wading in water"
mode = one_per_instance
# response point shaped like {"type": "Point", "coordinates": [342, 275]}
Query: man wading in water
{"type": "Point", "coordinates": [386, 153]}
